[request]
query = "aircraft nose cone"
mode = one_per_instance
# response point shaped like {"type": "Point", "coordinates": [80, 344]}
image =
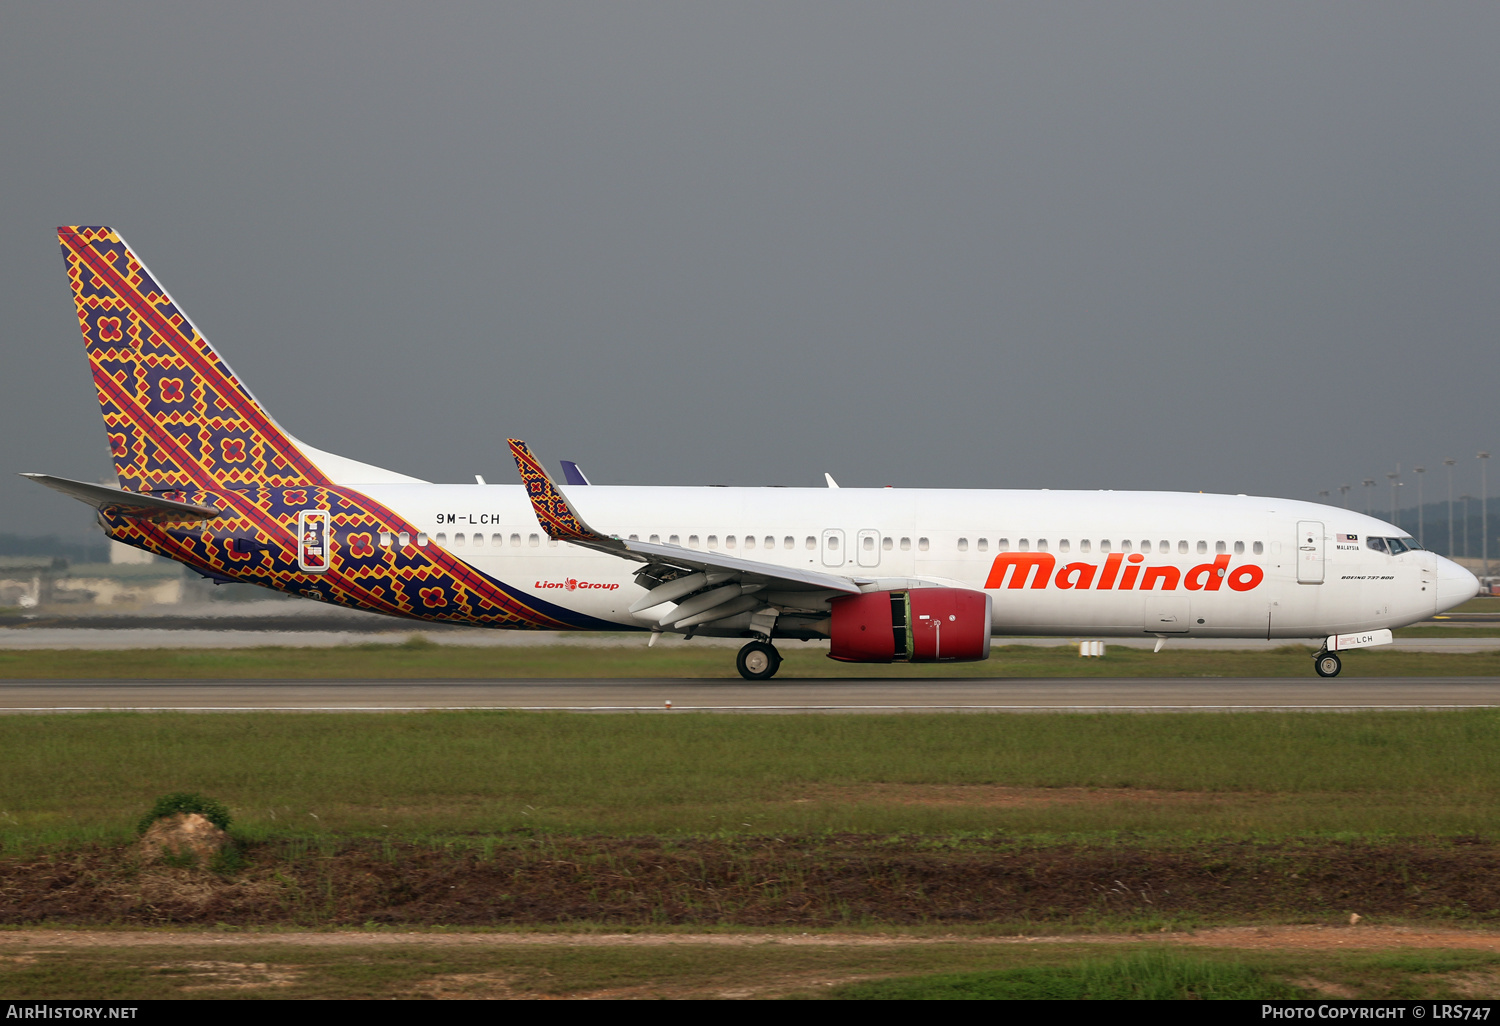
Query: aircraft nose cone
{"type": "Point", "coordinates": [1454, 584]}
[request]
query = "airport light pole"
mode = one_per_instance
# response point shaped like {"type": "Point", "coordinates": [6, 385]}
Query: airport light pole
{"type": "Point", "coordinates": [1395, 479]}
{"type": "Point", "coordinates": [1449, 465]}
{"type": "Point", "coordinates": [1484, 512]}
{"type": "Point", "coordinates": [1465, 499]}
{"type": "Point", "coordinates": [1421, 533]}
{"type": "Point", "coordinates": [1369, 506]}
{"type": "Point", "coordinates": [1323, 494]}
{"type": "Point", "coordinates": [1344, 495]}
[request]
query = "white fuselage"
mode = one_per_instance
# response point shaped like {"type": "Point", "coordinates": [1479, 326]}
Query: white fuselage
{"type": "Point", "coordinates": [1308, 578]}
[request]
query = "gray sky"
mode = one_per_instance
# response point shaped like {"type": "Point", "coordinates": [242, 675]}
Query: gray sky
{"type": "Point", "coordinates": [1247, 247]}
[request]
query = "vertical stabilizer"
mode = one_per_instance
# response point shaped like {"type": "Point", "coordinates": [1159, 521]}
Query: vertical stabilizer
{"type": "Point", "coordinates": [176, 416]}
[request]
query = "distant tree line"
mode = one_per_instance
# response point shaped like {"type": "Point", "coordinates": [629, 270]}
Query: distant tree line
{"type": "Point", "coordinates": [73, 550]}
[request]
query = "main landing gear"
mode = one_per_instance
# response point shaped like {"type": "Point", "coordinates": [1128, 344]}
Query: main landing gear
{"type": "Point", "coordinates": [1327, 664]}
{"type": "Point", "coordinates": [758, 660]}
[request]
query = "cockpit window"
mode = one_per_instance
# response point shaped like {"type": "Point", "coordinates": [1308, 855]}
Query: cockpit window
{"type": "Point", "coordinates": [1392, 546]}
{"type": "Point", "coordinates": [1397, 546]}
{"type": "Point", "coordinates": [1376, 544]}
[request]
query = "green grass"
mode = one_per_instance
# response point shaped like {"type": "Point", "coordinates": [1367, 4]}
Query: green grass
{"type": "Point", "coordinates": [194, 967]}
{"type": "Point", "coordinates": [431, 661]}
{"type": "Point", "coordinates": [91, 776]}
{"type": "Point", "coordinates": [1153, 975]}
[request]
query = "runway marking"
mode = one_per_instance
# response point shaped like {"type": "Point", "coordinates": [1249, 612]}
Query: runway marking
{"type": "Point", "coordinates": [1345, 707]}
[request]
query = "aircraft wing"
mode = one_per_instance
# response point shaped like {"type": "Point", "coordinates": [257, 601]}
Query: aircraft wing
{"type": "Point", "coordinates": [562, 523]}
{"type": "Point", "coordinates": [141, 505]}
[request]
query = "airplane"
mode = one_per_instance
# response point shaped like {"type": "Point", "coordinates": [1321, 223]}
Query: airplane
{"type": "Point", "coordinates": [208, 478]}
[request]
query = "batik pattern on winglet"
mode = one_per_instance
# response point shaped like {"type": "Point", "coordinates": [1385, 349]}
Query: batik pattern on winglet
{"type": "Point", "coordinates": [552, 510]}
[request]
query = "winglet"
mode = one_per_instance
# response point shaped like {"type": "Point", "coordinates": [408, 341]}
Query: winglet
{"type": "Point", "coordinates": [548, 503]}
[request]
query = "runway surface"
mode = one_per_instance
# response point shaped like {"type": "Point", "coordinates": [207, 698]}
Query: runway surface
{"type": "Point", "coordinates": [884, 695]}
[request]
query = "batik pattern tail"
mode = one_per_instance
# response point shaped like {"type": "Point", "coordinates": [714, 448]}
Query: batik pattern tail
{"type": "Point", "coordinates": [176, 416]}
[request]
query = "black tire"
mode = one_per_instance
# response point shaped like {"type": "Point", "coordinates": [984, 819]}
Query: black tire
{"type": "Point", "coordinates": [1328, 664]}
{"type": "Point", "coordinates": [758, 661]}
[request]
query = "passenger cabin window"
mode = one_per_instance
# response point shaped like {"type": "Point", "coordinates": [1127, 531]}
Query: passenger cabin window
{"type": "Point", "coordinates": [1104, 545]}
{"type": "Point", "coordinates": [922, 544]}
{"type": "Point", "coordinates": [385, 539]}
{"type": "Point", "coordinates": [713, 541]}
{"type": "Point", "coordinates": [1063, 546]}
{"type": "Point", "coordinates": [833, 543]}
{"type": "Point", "coordinates": [885, 543]}
{"type": "Point", "coordinates": [810, 544]}
{"type": "Point", "coordinates": [1024, 545]}
{"type": "Point", "coordinates": [1125, 545]}
{"type": "Point", "coordinates": [749, 541]}
{"type": "Point", "coordinates": [1002, 544]}
{"type": "Point", "coordinates": [963, 545]}
{"type": "Point", "coordinates": [533, 541]}
{"type": "Point", "coordinates": [789, 542]}
{"type": "Point", "coordinates": [1258, 548]}
{"type": "Point", "coordinates": [1203, 548]}
{"type": "Point", "coordinates": [1182, 547]}
{"type": "Point", "coordinates": [1164, 547]}
{"type": "Point", "coordinates": [458, 540]}
{"type": "Point", "coordinates": [1085, 546]}
{"type": "Point", "coordinates": [403, 539]}
{"type": "Point", "coordinates": [729, 541]}
{"type": "Point", "coordinates": [498, 540]}
{"type": "Point", "coordinates": [421, 538]}
{"type": "Point", "coordinates": [1145, 546]}
{"type": "Point", "coordinates": [692, 541]}
{"type": "Point", "coordinates": [1239, 548]}
{"type": "Point", "coordinates": [770, 542]}
{"type": "Point", "coordinates": [868, 544]}
{"type": "Point", "coordinates": [1220, 547]}
{"type": "Point", "coordinates": [656, 539]}
{"type": "Point", "coordinates": [442, 537]}
{"type": "Point", "coordinates": [905, 544]}
{"type": "Point", "coordinates": [674, 539]}
{"type": "Point", "coordinates": [984, 545]}
{"type": "Point", "coordinates": [1041, 544]}
{"type": "Point", "coordinates": [635, 537]}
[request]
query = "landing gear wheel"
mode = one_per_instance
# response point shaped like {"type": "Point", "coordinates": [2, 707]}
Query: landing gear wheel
{"type": "Point", "coordinates": [758, 661]}
{"type": "Point", "coordinates": [1327, 664]}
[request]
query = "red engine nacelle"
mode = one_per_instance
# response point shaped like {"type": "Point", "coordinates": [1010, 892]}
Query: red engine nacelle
{"type": "Point", "coordinates": [925, 625]}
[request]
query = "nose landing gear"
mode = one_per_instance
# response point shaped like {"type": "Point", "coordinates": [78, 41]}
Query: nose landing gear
{"type": "Point", "coordinates": [758, 660]}
{"type": "Point", "coordinates": [1327, 664]}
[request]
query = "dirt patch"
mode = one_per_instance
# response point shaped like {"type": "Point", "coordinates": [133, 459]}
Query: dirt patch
{"type": "Point", "coordinates": [1324, 988]}
{"type": "Point", "coordinates": [1482, 984]}
{"type": "Point", "coordinates": [233, 975]}
{"type": "Point", "coordinates": [33, 943]}
{"type": "Point", "coordinates": [184, 836]}
{"type": "Point", "coordinates": [820, 882]}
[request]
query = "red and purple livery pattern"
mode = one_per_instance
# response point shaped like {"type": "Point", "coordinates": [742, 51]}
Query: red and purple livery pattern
{"type": "Point", "coordinates": [552, 510]}
{"type": "Point", "coordinates": [181, 425]}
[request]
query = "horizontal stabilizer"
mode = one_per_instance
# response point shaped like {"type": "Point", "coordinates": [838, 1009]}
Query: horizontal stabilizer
{"type": "Point", "coordinates": [128, 504]}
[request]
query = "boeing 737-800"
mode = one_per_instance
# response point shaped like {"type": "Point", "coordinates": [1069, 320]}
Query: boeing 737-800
{"type": "Point", "coordinates": [208, 478]}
